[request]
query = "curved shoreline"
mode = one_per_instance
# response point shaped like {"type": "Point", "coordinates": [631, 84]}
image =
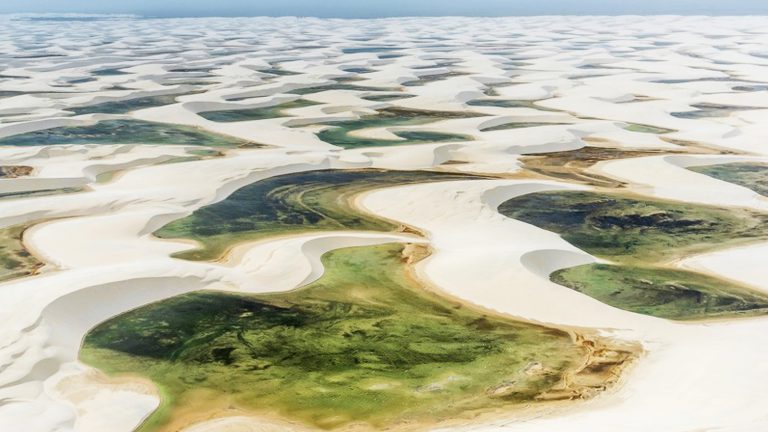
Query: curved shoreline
{"type": "Point", "coordinates": [602, 362]}
{"type": "Point", "coordinates": [658, 336]}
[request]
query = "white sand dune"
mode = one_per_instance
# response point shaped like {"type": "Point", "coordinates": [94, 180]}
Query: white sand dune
{"type": "Point", "coordinates": [514, 258]}
{"type": "Point", "coordinates": [651, 397]}
{"type": "Point", "coordinates": [744, 264]}
{"type": "Point", "coordinates": [104, 403]}
{"type": "Point", "coordinates": [78, 166]}
{"type": "Point", "coordinates": [667, 177]}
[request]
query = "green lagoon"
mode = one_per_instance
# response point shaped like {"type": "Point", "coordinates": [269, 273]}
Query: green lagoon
{"type": "Point", "coordinates": [291, 203]}
{"type": "Point", "coordinates": [365, 347]}
{"type": "Point", "coordinates": [640, 237]}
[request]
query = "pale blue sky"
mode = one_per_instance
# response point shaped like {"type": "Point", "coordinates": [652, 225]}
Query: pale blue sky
{"type": "Point", "coordinates": [380, 8]}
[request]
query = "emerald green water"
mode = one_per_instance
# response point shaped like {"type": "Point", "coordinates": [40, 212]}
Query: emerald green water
{"type": "Point", "coordinates": [365, 344]}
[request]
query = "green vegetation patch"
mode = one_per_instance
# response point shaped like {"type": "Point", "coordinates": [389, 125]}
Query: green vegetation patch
{"type": "Point", "coordinates": [364, 345]}
{"type": "Point", "coordinates": [665, 293]}
{"type": "Point", "coordinates": [640, 236]}
{"type": "Point", "coordinates": [123, 132]}
{"type": "Point", "coordinates": [634, 230]}
{"type": "Point", "coordinates": [750, 175]}
{"type": "Point", "coordinates": [262, 113]}
{"type": "Point", "coordinates": [15, 261]}
{"type": "Point", "coordinates": [305, 201]}
{"type": "Point", "coordinates": [340, 132]}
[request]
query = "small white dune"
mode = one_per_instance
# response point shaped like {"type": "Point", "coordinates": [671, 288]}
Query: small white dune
{"type": "Point", "coordinates": [667, 177]}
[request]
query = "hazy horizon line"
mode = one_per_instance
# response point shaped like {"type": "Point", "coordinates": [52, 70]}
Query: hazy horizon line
{"type": "Point", "coordinates": [162, 16]}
